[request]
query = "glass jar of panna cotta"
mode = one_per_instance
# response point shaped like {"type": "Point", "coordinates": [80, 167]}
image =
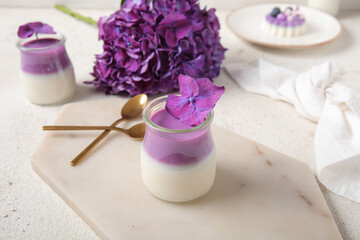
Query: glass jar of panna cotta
{"type": "Point", "coordinates": [46, 70]}
{"type": "Point", "coordinates": [177, 160]}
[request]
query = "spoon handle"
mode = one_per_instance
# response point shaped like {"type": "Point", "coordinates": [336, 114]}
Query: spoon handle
{"type": "Point", "coordinates": [81, 155]}
{"type": "Point", "coordinates": [61, 128]}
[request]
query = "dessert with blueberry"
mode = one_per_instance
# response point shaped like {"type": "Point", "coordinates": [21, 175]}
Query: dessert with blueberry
{"type": "Point", "coordinates": [287, 23]}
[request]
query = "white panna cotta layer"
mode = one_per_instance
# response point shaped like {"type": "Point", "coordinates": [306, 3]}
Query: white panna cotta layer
{"type": "Point", "coordinates": [178, 183]}
{"type": "Point", "coordinates": [49, 88]}
{"type": "Point", "coordinates": [280, 31]}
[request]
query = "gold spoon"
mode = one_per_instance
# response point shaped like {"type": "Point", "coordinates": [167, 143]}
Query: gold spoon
{"type": "Point", "coordinates": [132, 109]}
{"type": "Point", "coordinates": [136, 132]}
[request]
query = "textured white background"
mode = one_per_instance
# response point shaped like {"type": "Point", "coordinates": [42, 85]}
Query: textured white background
{"type": "Point", "coordinates": [29, 209]}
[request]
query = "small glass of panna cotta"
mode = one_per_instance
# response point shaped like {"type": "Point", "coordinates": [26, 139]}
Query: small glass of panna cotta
{"type": "Point", "coordinates": [177, 160]}
{"type": "Point", "coordinates": [46, 70]}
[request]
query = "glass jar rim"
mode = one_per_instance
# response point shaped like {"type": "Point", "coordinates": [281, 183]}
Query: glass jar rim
{"type": "Point", "coordinates": [59, 36]}
{"type": "Point", "coordinates": [149, 122]}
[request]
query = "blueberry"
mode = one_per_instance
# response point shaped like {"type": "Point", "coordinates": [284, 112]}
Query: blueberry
{"type": "Point", "coordinates": [275, 12]}
{"type": "Point", "coordinates": [290, 8]}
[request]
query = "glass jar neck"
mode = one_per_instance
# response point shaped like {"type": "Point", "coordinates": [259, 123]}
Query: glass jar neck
{"type": "Point", "coordinates": [25, 44]}
{"type": "Point", "coordinates": [158, 105]}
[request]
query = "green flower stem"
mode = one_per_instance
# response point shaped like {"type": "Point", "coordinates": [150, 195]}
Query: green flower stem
{"type": "Point", "coordinates": [76, 15]}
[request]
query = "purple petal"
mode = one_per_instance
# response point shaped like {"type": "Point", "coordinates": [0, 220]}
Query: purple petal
{"type": "Point", "coordinates": [144, 46]}
{"type": "Point", "coordinates": [146, 29]}
{"type": "Point", "coordinates": [35, 25]}
{"type": "Point", "coordinates": [188, 86]}
{"type": "Point", "coordinates": [178, 106]}
{"type": "Point", "coordinates": [161, 29]}
{"type": "Point", "coordinates": [27, 30]}
{"type": "Point", "coordinates": [182, 6]}
{"type": "Point", "coordinates": [170, 38]}
{"type": "Point", "coordinates": [149, 58]}
{"type": "Point", "coordinates": [144, 68]}
{"type": "Point", "coordinates": [132, 65]}
{"type": "Point", "coordinates": [120, 56]}
{"type": "Point", "coordinates": [172, 18]}
{"type": "Point", "coordinates": [151, 18]}
{"type": "Point", "coordinates": [195, 67]}
{"type": "Point", "coordinates": [40, 27]}
{"type": "Point", "coordinates": [158, 62]}
{"type": "Point", "coordinates": [129, 16]}
{"type": "Point", "coordinates": [199, 61]}
{"type": "Point", "coordinates": [136, 4]}
{"type": "Point", "coordinates": [209, 94]}
{"type": "Point", "coordinates": [184, 44]}
{"type": "Point", "coordinates": [100, 26]}
{"type": "Point", "coordinates": [190, 71]}
{"type": "Point", "coordinates": [46, 28]}
{"type": "Point", "coordinates": [182, 28]}
{"type": "Point", "coordinates": [195, 118]}
{"type": "Point", "coordinates": [197, 26]}
{"type": "Point", "coordinates": [132, 55]}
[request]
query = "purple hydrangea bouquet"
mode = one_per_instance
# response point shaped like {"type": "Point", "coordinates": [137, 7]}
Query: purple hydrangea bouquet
{"type": "Point", "coordinates": [148, 43]}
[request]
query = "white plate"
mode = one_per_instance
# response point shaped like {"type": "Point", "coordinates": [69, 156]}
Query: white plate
{"type": "Point", "coordinates": [321, 27]}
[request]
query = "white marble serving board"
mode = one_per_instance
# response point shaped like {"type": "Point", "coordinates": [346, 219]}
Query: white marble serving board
{"type": "Point", "coordinates": [258, 194]}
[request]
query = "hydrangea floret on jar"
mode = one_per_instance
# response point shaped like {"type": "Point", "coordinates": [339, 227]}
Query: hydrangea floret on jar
{"type": "Point", "coordinates": [178, 162]}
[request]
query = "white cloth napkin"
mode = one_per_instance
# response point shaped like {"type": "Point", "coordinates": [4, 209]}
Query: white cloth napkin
{"type": "Point", "coordinates": [318, 96]}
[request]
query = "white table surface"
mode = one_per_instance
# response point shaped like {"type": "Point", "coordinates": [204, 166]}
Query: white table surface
{"type": "Point", "coordinates": [29, 209]}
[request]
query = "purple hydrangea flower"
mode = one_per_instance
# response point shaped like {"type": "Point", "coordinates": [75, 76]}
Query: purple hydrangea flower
{"type": "Point", "coordinates": [27, 30]}
{"type": "Point", "coordinates": [173, 28]}
{"type": "Point", "coordinates": [148, 43]}
{"type": "Point", "coordinates": [198, 98]}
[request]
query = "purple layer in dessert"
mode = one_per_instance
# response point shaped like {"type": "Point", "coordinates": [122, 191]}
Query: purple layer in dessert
{"type": "Point", "coordinates": [44, 56]}
{"type": "Point", "coordinates": [177, 148]}
{"type": "Point", "coordinates": [164, 119]}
